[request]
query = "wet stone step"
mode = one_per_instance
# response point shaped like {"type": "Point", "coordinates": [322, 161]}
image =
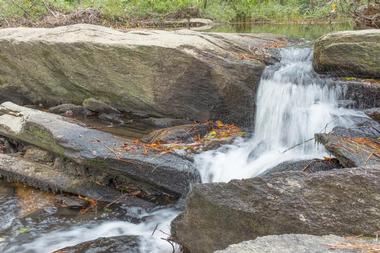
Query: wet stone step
{"type": "Point", "coordinates": [95, 149]}
{"type": "Point", "coordinates": [43, 177]}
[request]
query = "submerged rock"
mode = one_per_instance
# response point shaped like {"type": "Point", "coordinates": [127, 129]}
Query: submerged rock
{"type": "Point", "coordinates": [176, 74]}
{"type": "Point", "coordinates": [164, 122]}
{"type": "Point", "coordinates": [116, 244]}
{"type": "Point", "coordinates": [182, 134]}
{"type": "Point", "coordinates": [349, 53]}
{"type": "Point", "coordinates": [337, 202]}
{"type": "Point", "coordinates": [309, 166]}
{"type": "Point", "coordinates": [97, 150]}
{"type": "Point", "coordinates": [300, 243]}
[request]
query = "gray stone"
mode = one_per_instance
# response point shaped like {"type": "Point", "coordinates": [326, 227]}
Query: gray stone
{"type": "Point", "coordinates": [309, 166]}
{"type": "Point", "coordinates": [374, 113]}
{"type": "Point", "coordinates": [75, 110]}
{"type": "Point", "coordinates": [299, 243]}
{"type": "Point", "coordinates": [38, 155]}
{"type": "Point", "coordinates": [96, 105]}
{"type": "Point", "coordinates": [116, 244]}
{"type": "Point", "coordinates": [349, 53]}
{"type": "Point", "coordinates": [176, 74]}
{"type": "Point", "coordinates": [356, 146]}
{"type": "Point", "coordinates": [340, 202]}
{"type": "Point", "coordinates": [43, 177]}
{"type": "Point", "coordinates": [182, 133]}
{"type": "Point", "coordinates": [364, 93]}
{"type": "Point", "coordinates": [112, 118]}
{"type": "Point", "coordinates": [97, 150]}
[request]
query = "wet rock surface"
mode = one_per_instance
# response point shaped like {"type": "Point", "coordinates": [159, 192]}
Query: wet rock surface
{"type": "Point", "coordinates": [300, 243]}
{"type": "Point", "coordinates": [70, 110]}
{"type": "Point", "coordinates": [98, 106]}
{"type": "Point", "coordinates": [356, 146]}
{"type": "Point", "coordinates": [45, 178]}
{"type": "Point", "coordinates": [374, 113]}
{"type": "Point", "coordinates": [182, 134]}
{"type": "Point", "coordinates": [336, 202]}
{"type": "Point", "coordinates": [164, 122]}
{"type": "Point", "coordinates": [176, 74]}
{"type": "Point", "coordinates": [117, 244]}
{"type": "Point", "coordinates": [349, 53]}
{"type": "Point", "coordinates": [365, 94]}
{"type": "Point", "coordinates": [97, 150]}
{"type": "Point", "coordinates": [309, 166]}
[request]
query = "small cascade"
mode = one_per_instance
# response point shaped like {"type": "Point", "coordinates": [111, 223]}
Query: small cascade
{"type": "Point", "coordinates": [293, 103]}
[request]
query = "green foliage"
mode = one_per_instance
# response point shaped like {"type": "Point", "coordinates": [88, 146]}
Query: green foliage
{"type": "Point", "coordinates": [219, 10]}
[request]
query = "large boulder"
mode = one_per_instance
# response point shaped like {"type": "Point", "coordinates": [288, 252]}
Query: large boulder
{"type": "Point", "coordinates": [341, 202]}
{"type": "Point", "coordinates": [349, 53]}
{"type": "Point", "coordinates": [98, 151]}
{"type": "Point", "coordinates": [176, 74]}
{"type": "Point", "coordinates": [299, 243]}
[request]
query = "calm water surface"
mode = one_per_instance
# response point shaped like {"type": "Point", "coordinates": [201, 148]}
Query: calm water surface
{"type": "Point", "coordinates": [294, 31]}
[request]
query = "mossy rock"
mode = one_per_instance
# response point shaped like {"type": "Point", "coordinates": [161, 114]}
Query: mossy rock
{"type": "Point", "coordinates": [349, 53]}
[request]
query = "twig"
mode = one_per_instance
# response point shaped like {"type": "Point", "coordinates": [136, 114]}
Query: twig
{"type": "Point", "coordinates": [113, 151]}
{"type": "Point", "coordinates": [116, 200]}
{"type": "Point", "coordinates": [155, 228]}
{"type": "Point", "coordinates": [299, 144]}
{"type": "Point", "coordinates": [307, 166]}
{"type": "Point", "coordinates": [170, 242]}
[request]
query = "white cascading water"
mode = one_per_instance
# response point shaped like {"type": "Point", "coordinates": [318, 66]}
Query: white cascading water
{"type": "Point", "coordinates": [293, 103]}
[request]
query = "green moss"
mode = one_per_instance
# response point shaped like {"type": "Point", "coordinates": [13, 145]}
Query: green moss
{"type": "Point", "coordinates": [41, 138]}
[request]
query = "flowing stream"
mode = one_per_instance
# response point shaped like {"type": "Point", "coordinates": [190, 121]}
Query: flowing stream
{"type": "Point", "coordinates": [293, 103]}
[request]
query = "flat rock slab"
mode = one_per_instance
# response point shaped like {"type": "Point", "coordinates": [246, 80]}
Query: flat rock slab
{"type": "Point", "coordinates": [298, 243]}
{"type": "Point", "coordinates": [176, 74]}
{"type": "Point", "coordinates": [356, 146]}
{"type": "Point", "coordinates": [96, 149]}
{"type": "Point", "coordinates": [43, 177]}
{"type": "Point", "coordinates": [349, 53]}
{"type": "Point", "coordinates": [340, 202]}
{"type": "Point", "coordinates": [352, 151]}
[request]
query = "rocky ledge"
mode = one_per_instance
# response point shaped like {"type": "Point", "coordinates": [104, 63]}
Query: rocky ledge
{"type": "Point", "coordinates": [176, 74]}
{"type": "Point", "coordinates": [94, 153]}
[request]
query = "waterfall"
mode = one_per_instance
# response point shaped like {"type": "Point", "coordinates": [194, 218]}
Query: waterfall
{"type": "Point", "coordinates": [293, 103]}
